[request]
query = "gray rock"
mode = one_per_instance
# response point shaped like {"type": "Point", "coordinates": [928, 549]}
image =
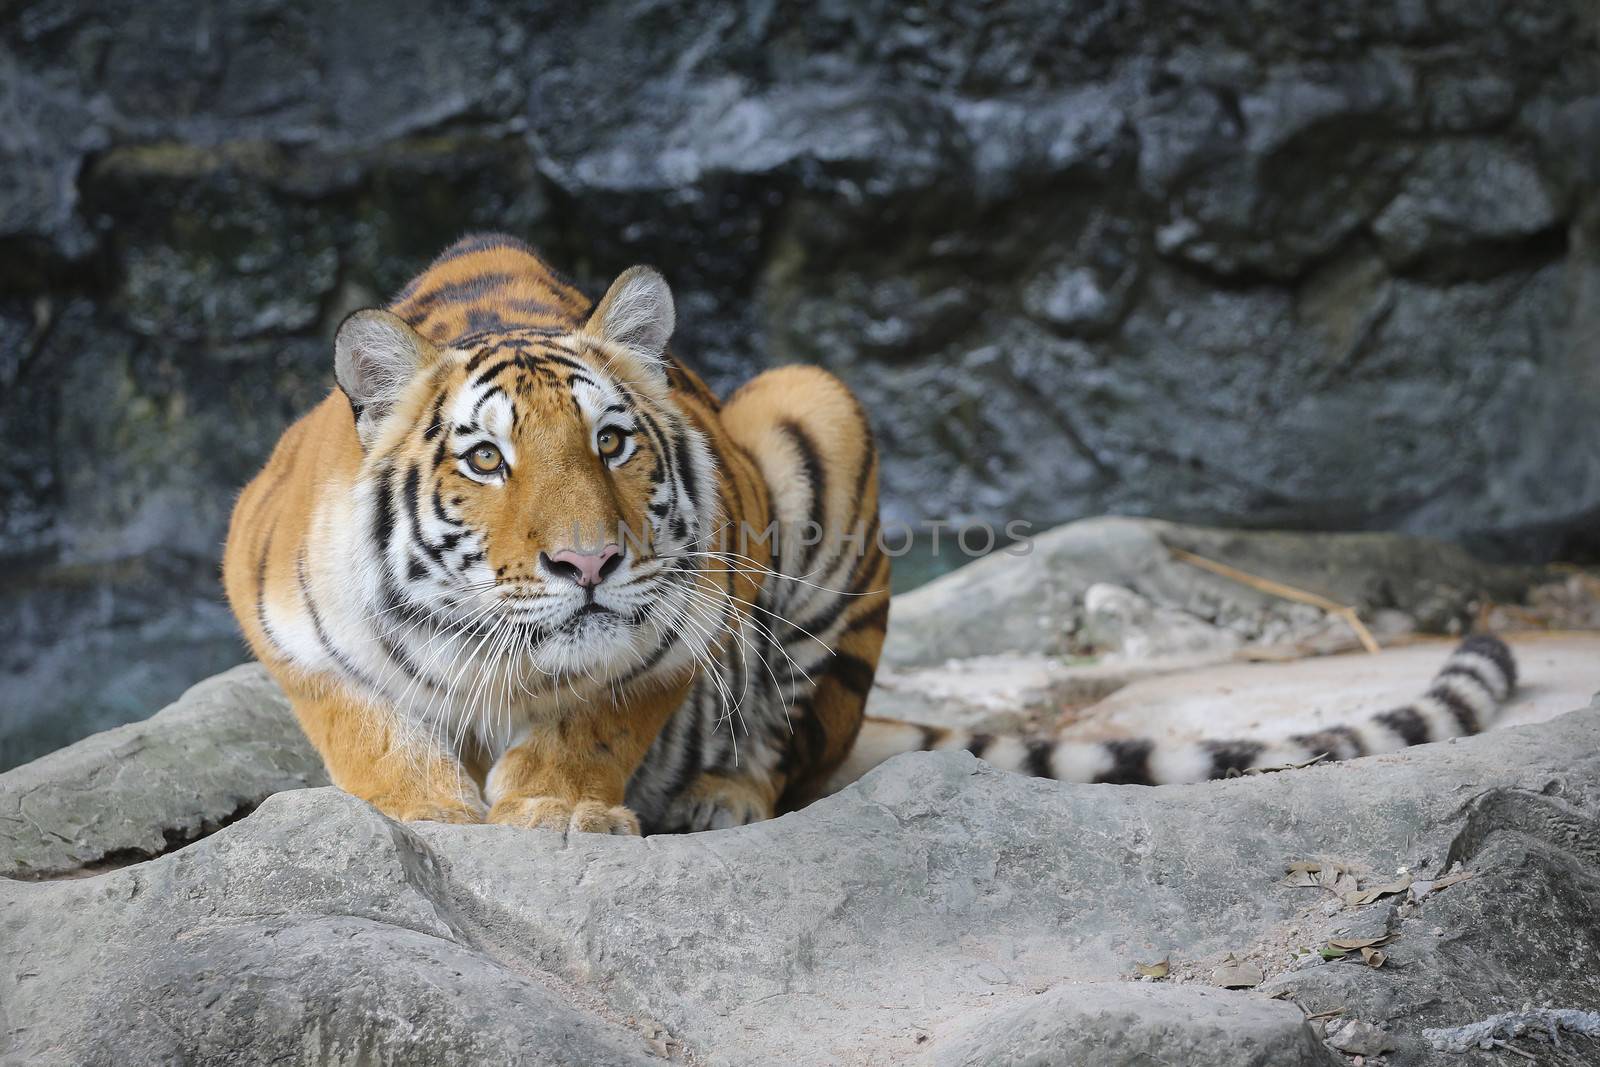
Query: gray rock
{"type": "Point", "coordinates": [1124, 625]}
{"type": "Point", "coordinates": [48, 130]}
{"type": "Point", "coordinates": [268, 274]}
{"type": "Point", "coordinates": [139, 790]}
{"type": "Point", "coordinates": [1460, 200]}
{"type": "Point", "coordinates": [1358, 1038]}
{"type": "Point", "coordinates": [1123, 1024]}
{"type": "Point", "coordinates": [1032, 600]}
{"type": "Point", "coordinates": [1077, 298]}
{"type": "Point", "coordinates": [1538, 1024]}
{"type": "Point", "coordinates": [935, 911]}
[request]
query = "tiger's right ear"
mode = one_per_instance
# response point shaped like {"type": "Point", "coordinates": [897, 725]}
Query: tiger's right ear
{"type": "Point", "coordinates": [375, 356]}
{"type": "Point", "coordinates": [637, 316]}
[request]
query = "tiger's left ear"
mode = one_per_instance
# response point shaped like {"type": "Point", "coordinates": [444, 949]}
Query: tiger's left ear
{"type": "Point", "coordinates": [376, 355]}
{"type": "Point", "coordinates": [637, 315]}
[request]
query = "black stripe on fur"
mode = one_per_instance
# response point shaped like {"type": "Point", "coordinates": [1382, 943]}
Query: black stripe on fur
{"type": "Point", "coordinates": [816, 483]}
{"type": "Point", "coordinates": [1407, 722]}
{"type": "Point", "coordinates": [1037, 762]}
{"type": "Point", "coordinates": [1130, 762]}
{"type": "Point", "coordinates": [1334, 743]}
{"type": "Point", "coordinates": [1494, 650]}
{"type": "Point", "coordinates": [1231, 757]}
{"type": "Point", "coordinates": [1465, 717]}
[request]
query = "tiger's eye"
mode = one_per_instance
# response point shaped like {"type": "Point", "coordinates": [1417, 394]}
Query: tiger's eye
{"type": "Point", "coordinates": [609, 442]}
{"type": "Point", "coordinates": [485, 459]}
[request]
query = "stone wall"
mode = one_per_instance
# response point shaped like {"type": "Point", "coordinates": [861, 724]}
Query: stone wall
{"type": "Point", "coordinates": [1329, 266]}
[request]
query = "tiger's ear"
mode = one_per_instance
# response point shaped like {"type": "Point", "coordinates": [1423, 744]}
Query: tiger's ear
{"type": "Point", "coordinates": [376, 354]}
{"type": "Point", "coordinates": [637, 315]}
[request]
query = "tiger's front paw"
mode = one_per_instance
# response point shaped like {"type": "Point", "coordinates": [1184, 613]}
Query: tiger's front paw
{"type": "Point", "coordinates": [428, 809]}
{"type": "Point", "coordinates": [717, 802]}
{"type": "Point", "coordinates": [553, 813]}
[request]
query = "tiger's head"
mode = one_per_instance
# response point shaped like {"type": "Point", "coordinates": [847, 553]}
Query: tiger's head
{"type": "Point", "coordinates": [536, 484]}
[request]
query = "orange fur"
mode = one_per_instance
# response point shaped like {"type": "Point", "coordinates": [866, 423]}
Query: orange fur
{"type": "Point", "coordinates": [310, 538]}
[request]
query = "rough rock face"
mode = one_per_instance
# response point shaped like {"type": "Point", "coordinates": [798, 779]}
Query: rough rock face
{"type": "Point", "coordinates": [142, 789]}
{"type": "Point", "coordinates": [179, 889]}
{"type": "Point", "coordinates": [938, 911]}
{"type": "Point", "coordinates": [1239, 263]}
{"type": "Point", "coordinates": [1043, 601]}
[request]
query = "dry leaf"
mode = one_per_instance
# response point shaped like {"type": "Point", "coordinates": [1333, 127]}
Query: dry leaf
{"type": "Point", "coordinates": [1351, 943]}
{"type": "Point", "coordinates": [1339, 947]}
{"type": "Point", "coordinates": [1236, 974]}
{"type": "Point", "coordinates": [1335, 879]}
{"type": "Point", "coordinates": [1426, 887]}
{"type": "Point", "coordinates": [1154, 970]}
{"type": "Point", "coordinates": [1302, 874]}
{"type": "Point", "coordinates": [1367, 896]}
{"type": "Point", "coordinates": [1339, 883]}
{"type": "Point", "coordinates": [1452, 879]}
{"type": "Point", "coordinates": [1312, 874]}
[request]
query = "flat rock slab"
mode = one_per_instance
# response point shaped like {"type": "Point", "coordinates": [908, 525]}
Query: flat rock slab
{"type": "Point", "coordinates": [936, 911]}
{"type": "Point", "coordinates": [139, 790]}
{"type": "Point", "coordinates": [1118, 1023]}
{"type": "Point", "coordinates": [1007, 604]}
{"type": "Point", "coordinates": [179, 890]}
{"type": "Point", "coordinates": [1278, 699]}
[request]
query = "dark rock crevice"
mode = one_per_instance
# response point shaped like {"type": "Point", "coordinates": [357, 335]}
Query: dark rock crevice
{"type": "Point", "coordinates": [175, 839]}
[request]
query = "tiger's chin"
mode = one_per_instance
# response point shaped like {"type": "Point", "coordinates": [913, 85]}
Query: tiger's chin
{"type": "Point", "coordinates": [594, 644]}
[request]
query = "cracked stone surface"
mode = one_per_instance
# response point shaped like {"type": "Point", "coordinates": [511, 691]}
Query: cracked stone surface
{"type": "Point", "coordinates": [140, 789]}
{"type": "Point", "coordinates": [938, 911]}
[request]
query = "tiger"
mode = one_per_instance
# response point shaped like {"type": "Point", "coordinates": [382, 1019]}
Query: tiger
{"type": "Point", "coordinates": [522, 566]}
{"type": "Point", "coordinates": [1464, 697]}
{"type": "Point", "coordinates": [502, 569]}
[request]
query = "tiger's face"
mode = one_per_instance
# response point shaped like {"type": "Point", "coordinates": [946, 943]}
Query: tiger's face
{"type": "Point", "coordinates": [534, 486]}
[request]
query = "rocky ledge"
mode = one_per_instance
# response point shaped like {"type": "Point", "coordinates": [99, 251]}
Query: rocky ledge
{"type": "Point", "coordinates": [936, 911]}
{"type": "Point", "coordinates": [187, 889]}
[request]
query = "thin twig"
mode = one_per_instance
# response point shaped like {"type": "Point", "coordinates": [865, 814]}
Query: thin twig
{"type": "Point", "coordinates": [1509, 1047]}
{"type": "Point", "coordinates": [1287, 592]}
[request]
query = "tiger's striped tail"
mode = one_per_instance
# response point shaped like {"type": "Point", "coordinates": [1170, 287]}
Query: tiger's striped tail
{"type": "Point", "coordinates": [1463, 699]}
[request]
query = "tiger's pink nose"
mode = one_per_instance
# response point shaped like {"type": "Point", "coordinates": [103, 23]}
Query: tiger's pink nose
{"type": "Point", "coordinates": [586, 568]}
